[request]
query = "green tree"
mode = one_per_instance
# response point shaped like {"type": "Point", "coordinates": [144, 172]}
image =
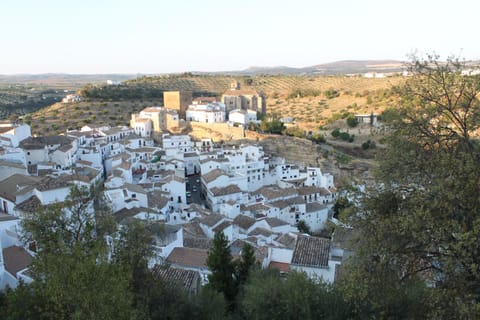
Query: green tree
{"type": "Point", "coordinates": [247, 263]}
{"type": "Point", "coordinates": [335, 133]}
{"type": "Point", "coordinates": [352, 121]}
{"type": "Point", "coordinates": [220, 263]}
{"type": "Point", "coordinates": [73, 277]}
{"type": "Point", "coordinates": [318, 138]}
{"type": "Point", "coordinates": [423, 225]}
{"type": "Point", "coordinates": [296, 297]}
{"type": "Point", "coordinates": [209, 304]}
{"type": "Point", "coordinates": [133, 248]}
{"type": "Point", "coordinates": [252, 126]}
{"type": "Point", "coordinates": [295, 132]}
{"type": "Point", "coordinates": [303, 227]}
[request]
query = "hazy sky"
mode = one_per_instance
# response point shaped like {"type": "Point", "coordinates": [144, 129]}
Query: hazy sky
{"type": "Point", "coordinates": [159, 36]}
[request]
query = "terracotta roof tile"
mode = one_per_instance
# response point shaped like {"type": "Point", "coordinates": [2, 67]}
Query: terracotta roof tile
{"type": "Point", "coordinates": [16, 259]}
{"type": "Point", "coordinates": [211, 219]}
{"type": "Point", "coordinates": [243, 221]}
{"type": "Point", "coordinates": [188, 257]}
{"type": "Point", "coordinates": [281, 266]}
{"type": "Point", "coordinates": [32, 143]}
{"type": "Point", "coordinates": [230, 189]}
{"type": "Point", "coordinates": [222, 226]}
{"type": "Point", "coordinates": [187, 279]}
{"type": "Point", "coordinates": [311, 252]}
{"type": "Point", "coordinates": [212, 175]}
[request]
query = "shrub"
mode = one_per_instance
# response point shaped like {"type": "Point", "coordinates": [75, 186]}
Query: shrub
{"type": "Point", "coordinates": [295, 132]}
{"type": "Point", "coordinates": [336, 133]}
{"type": "Point", "coordinates": [344, 136]}
{"type": "Point", "coordinates": [352, 121]}
{"type": "Point", "coordinates": [331, 93]}
{"type": "Point", "coordinates": [318, 138]}
{"type": "Point", "coordinates": [368, 145]}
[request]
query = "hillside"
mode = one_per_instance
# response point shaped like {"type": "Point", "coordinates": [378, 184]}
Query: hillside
{"type": "Point", "coordinates": [312, 101]}
{"type": "Point", "coordinates": [332, 68]}
{"type": "Point", "coordinates": [21, 94]}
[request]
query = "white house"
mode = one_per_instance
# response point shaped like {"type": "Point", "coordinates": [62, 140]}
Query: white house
{"type": "Point", "coordinates": [167, 238]}
{"type": "Point", "coordinates": [143, 127]}
{"type": "Point", "coordinates": [213, 162]}
{"type": "Point", "coordinates": [128, 196]}
{"type": "Point", "coordinates": [190, 259]}
{"type": "Point", "coordinates": [216, 196]}
{"type": "Point", "coordinates": [312, 256]}
{"type": "Point", "coordinates": [230, 209]}
{"type": "Point", "coordinates": [287, 172]}
{"type": "Point", "coordinates": [173, 144]}
{"type": "Point", "coordinates": [42, 149]}
{"type": "Point", "coordinates": [14, 257]}
{"type": "Point", "coordinates": [71, 98]}
{"type": "Point", "coordinates": [209, 113]}
{"type": "Point", "coordinates": [11, 134]}
{"type": "Point", "coordinates": [316, 178]}
{"type": "Point", "coordinates": [209, 222]}
{"type": "Point", "coordinates": [9, 168]}
{"type": "Point", "coordinates": [14, 190]}
{"type": "Point", "coordinates": [279, 258]}
{"type": "Point", "coordinates": [14, 261]}
{"type": "Point", "coordinates": [191, 163]}
{"type": "Point", "coordinates": [243, 117]}
{"type": "Point", "coordinates": [174, 184]}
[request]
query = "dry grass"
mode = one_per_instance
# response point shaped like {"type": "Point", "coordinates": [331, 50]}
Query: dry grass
{"type": "Point", "coordinates": [356, 95]}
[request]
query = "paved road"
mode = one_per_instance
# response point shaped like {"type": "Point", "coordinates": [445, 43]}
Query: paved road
{"type": "Point", "coordinates": [194, 186]}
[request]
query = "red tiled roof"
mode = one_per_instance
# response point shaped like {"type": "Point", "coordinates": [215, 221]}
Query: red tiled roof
{"type": "Point", "coordinates": [281, 266]}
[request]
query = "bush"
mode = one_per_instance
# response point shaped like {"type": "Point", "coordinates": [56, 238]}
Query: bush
{"type": "Point", "coordinates": [318, 138]}
{"type": "Point", "coordinates": [344, 136]}
{"type": "Point", "coordinates": [331, 93]}
{"type": "Point", "coordinates": [295, 132]}
{"type": "Point", "coordinates": [336, 133]}
{"type": "Point", "coordinates": [368, 145]}
{"type": "Point", "coordinates": [352, 121]}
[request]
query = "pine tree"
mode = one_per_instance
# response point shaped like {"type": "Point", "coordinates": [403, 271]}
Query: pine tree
{"type": "Point", "coordinates": [220, 263]}
{"type": "Point", "coordinates": [245, 265]}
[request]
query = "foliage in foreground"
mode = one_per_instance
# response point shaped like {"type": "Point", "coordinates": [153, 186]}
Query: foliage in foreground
{"type": "Point", "coordinates": [418, 246]}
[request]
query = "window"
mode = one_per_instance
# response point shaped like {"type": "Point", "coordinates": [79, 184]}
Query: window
{"type": "Point", "coordinates": [134, 195]}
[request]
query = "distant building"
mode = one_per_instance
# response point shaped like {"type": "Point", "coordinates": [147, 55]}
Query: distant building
{"type": "Point", "coordinates": [154, 119]}
{"type": "Point", "coordinates": [113, 82]}
{"type": "Point", "coordinates": [177, 100]}
{"type": "Point", "coordinates": [372, 75]}
{"type": "Point", "coordinates": [11, 134]}
{"type": "Point", "coordinates": [204, 100]}
{"type": "Point", "coordinates": [203, 111]}
{"type": "Point", "coordinates": [371, 118]}
{"type": "Point", "coordinates": [71, 98]}
{"type": "Point", "coordinates": [243, 99]}
{"type": "Point", "coordinates": [243, 117]}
